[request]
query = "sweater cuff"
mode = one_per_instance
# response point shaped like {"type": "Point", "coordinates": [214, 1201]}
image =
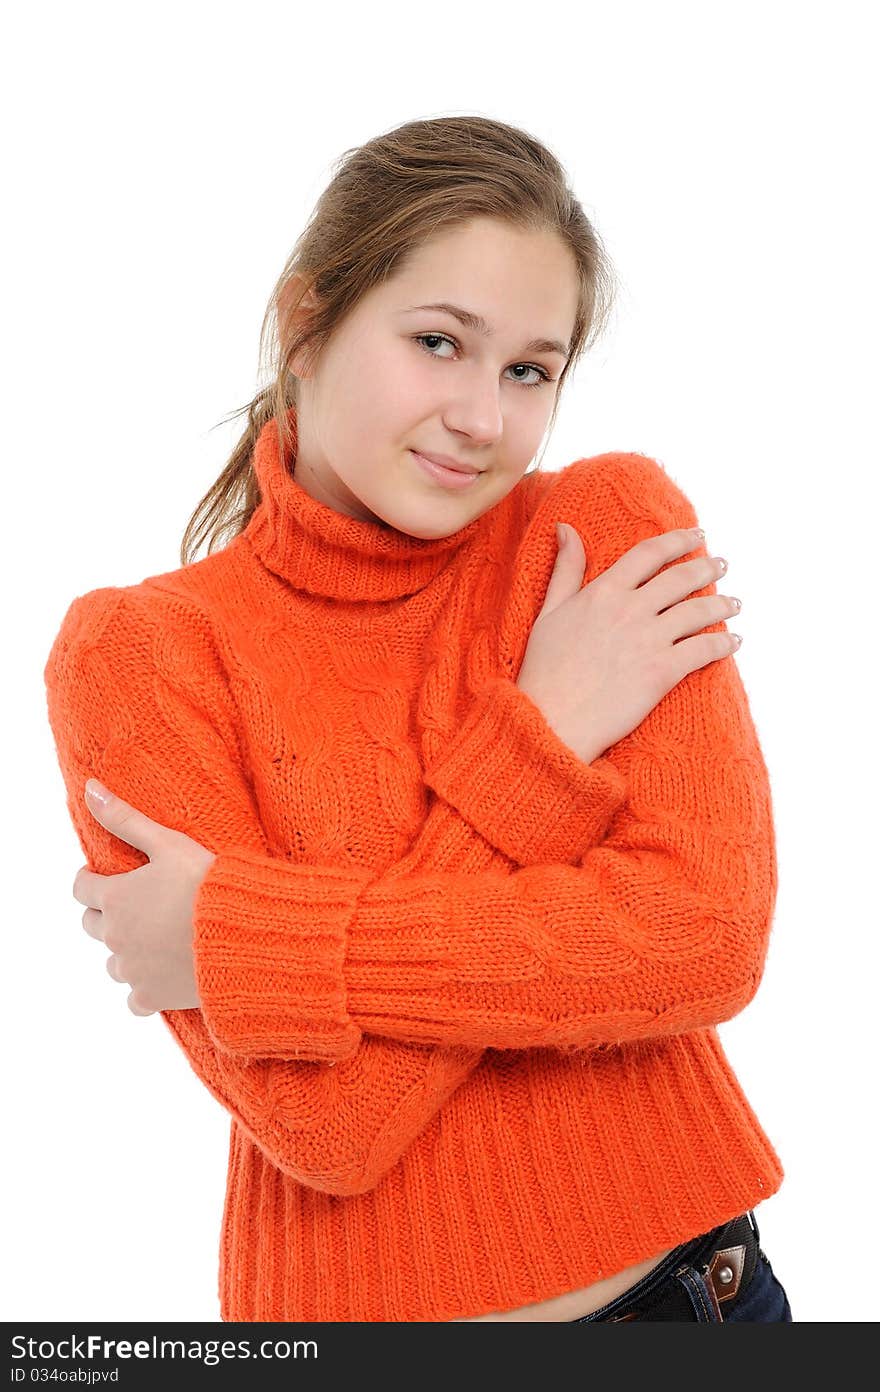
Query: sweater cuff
{"type": "Point", "coordinates": [269, 941]}
{"type": "Point", "coordinates": [521, 786]}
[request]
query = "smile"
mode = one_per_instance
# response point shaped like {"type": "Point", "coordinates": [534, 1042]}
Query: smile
{"type": "Point", "coordinates": [450, 478]}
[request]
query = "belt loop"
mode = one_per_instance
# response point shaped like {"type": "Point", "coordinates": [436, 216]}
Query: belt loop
{"type": "Point", "coordinates": [754, 1222]}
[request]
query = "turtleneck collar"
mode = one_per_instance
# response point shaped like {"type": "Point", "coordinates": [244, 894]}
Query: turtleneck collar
{"type": "Point", "coordinates": [322, 551]}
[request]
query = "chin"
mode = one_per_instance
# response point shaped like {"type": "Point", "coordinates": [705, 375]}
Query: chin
{"type": "Point", "coordinates": [427, 534]}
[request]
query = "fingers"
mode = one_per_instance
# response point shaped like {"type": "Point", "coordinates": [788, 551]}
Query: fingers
{"type": "Point", "coordinates": [647, 557]}
{"type": "Point", "coordinates": [682, 581]}
{"type": "Point", "coordinates": [93, 923]}
{"type": "Point", "coordinates": [87, 887]}
{"type": "Point", "coordinates": [134, 1004]}
{"type": "Point", "coordinates": [693, 615]}
{"type": "Point", "coordinates": [135, 1008]}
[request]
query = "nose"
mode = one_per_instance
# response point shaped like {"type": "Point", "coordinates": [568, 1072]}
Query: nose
{"type": "Point", "coordinates": [476, 413]}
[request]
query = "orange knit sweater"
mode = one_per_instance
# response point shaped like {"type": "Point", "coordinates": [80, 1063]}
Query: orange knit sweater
{"type": "Point", "coordinates": [459, 989]}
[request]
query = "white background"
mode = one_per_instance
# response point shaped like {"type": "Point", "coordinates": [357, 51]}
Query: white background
{"type": "Point", "coordinates": [160, 163]}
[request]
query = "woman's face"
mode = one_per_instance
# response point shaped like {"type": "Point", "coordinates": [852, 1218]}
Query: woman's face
{"type": "Point", "coordinates": [376, 394]}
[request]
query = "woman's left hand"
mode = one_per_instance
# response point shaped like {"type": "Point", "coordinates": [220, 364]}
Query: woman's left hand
{"type": "Point", "coordinates": [145, 915]}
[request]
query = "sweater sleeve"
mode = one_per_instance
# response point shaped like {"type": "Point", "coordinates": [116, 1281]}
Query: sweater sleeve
{"type": "Point", "coordinates": [518, 784]}
{"type": "Point", "coordinates": [660, 928]}
{"type": "Point", "coordinates": [149, 717]}
{"type": "Point", "coordinates": [498, 763]}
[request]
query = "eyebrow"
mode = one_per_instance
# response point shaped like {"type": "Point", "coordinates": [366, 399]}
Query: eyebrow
{"type": "Point", "coordinates": [478, 323]}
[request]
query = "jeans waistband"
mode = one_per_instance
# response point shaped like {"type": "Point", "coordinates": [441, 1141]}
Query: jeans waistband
{"type": "Point", "coordinates": [726, 1256]}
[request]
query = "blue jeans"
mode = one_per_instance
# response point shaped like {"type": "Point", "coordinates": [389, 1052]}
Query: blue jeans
{"type": "Point", "coordinates": [765, 1301]}
{"type": "Point", "coordinates": [722, 1276]}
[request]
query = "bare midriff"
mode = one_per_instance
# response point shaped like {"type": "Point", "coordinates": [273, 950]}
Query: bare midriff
{"type": "Point", "coordinates": [573, 1304]}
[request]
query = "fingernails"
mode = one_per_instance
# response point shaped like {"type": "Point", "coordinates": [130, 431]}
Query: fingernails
{"type": "Point", "coordinates": [97, 792]}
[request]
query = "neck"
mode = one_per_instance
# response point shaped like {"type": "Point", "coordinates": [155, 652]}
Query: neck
{"type": "Point", "coordinates": [314, 548]}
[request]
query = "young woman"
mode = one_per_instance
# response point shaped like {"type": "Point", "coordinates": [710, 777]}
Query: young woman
{"type": "Point", "coordinates": [435, 823]}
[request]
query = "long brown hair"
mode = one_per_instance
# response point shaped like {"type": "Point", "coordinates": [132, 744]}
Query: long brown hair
{"type": "Point", "coordinates": [387, 198]}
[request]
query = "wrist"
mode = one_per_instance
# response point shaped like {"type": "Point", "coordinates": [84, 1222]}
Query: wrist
{"type": "Point", "coordinates": [578, 740]}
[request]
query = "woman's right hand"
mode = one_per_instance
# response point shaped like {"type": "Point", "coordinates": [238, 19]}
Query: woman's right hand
{"type": "Point", "coordinates": [601, 657]}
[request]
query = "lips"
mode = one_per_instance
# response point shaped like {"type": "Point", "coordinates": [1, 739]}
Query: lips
{"type": "Point", "coordinates": [448, 478]}
{"type": "Point", "coordinates": [448, 462]}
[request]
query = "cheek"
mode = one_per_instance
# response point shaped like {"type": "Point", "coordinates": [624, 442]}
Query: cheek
{"type": "Point", "coordinates": [412, 375]}
{"type": "Point", "coordinates": [382, 387]}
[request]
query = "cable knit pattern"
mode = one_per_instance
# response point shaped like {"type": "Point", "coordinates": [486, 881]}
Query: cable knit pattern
{"type": "Point", "coordinates": [459, 990]}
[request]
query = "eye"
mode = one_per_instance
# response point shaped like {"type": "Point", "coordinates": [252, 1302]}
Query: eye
{"type": "Point", "coordinates": [422, 340]}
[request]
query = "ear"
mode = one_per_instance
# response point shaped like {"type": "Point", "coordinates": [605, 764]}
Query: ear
{"type": "Point", "coordinates": [297, 302]}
